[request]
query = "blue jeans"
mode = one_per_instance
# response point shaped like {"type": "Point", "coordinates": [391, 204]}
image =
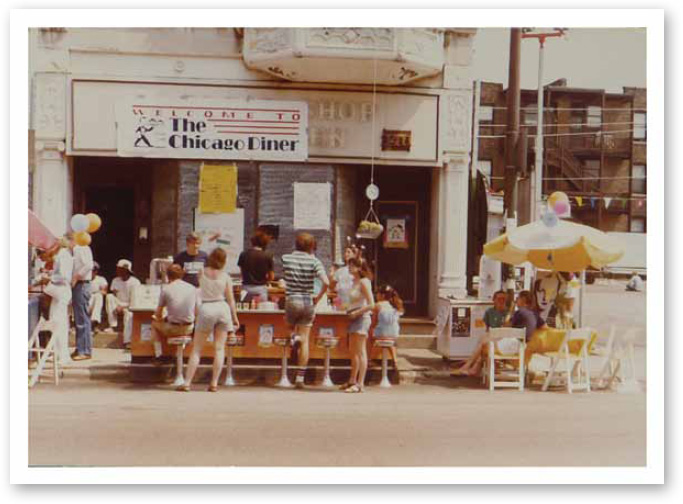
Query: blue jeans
{"type": "Point", "coordinates": [81, 301]}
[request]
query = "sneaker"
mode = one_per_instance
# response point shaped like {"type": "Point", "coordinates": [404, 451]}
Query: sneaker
{"type": "Point", "coordinates": [77, 356]}
{"type": "Point", "coordinates": [299, 384]}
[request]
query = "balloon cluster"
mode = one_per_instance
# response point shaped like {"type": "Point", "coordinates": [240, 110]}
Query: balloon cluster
{"type": "Point", "coordinates": [83, 225]}
{"type": "Point", "coordinates": [558, 206]}
{"type": "Point", "coordinates": [558, 202]}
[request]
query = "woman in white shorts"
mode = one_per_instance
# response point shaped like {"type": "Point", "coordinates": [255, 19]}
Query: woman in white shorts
{"type": "Point", "coordinates": [217, 315]}
{"type": "Point", "coordinates": [362, 304]}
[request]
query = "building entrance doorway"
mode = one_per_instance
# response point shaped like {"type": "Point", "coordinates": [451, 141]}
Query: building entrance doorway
{"type": "Point", "coordinates": [120, 192]}
{"type": "Point", "coordinates": [115, 240]}
{"type": "Point", "coordinates": [400, 256]}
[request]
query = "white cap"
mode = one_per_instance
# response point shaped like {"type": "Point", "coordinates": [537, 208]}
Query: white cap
{"type": "Point", "coordinates": [125, 264]}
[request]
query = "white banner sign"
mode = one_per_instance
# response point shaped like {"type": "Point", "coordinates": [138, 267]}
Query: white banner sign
{"type": "Point", "coordinates": [230, 129]}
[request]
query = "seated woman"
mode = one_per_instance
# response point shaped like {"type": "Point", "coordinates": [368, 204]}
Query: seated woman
{"type": "Point", "coordinates": [495, 316]}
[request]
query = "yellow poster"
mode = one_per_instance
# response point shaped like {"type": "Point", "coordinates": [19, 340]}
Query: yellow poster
{"type": "Point", "coordinates": [218, 188]}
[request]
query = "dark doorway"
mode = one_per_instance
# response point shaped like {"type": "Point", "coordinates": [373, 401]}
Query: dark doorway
{"type": "Point", "coordinates": [119, 190]}
{"type": "Point", "coordinates": [401, 254]}
{"type": "Point", "coordinates": [116, 237]}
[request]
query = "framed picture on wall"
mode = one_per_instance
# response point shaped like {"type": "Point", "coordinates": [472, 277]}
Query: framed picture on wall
{"type": "Point", "coordinates": [396, 234]}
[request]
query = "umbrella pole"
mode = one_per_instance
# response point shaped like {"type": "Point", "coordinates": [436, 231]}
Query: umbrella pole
{"type": "Point", "coordinates": [581, 294]}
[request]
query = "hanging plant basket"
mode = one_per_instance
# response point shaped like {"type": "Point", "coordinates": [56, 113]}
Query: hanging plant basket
{"type": "Point", "coordinates": [370, 228]}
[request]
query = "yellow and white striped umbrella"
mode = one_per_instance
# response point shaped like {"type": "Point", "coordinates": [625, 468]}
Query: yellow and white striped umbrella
{"type": "Point", "coordinates": [567, 246]}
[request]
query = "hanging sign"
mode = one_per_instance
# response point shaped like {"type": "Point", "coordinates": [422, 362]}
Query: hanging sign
{"type": "Point", "coordinates": [396, 140]}
{"type": "Point", "coordinates": [217, 129]}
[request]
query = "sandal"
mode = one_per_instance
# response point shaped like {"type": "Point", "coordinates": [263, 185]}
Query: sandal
{"type": "Point", "coordinates": [353, 389]}
{"type": "Point", "coordinates": [183, 388]}
{"type": "Point", "coordinates": [213, 388]}
{"type": "Point", "coordinates": [345, 386]}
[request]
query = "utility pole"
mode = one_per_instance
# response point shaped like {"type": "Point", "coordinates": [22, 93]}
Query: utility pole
{"type": "Point", "coordinates": [537, 180]}
{"type": "Point", "coordinates": [511, 139]}
{"type": "Point", "coordinates": [512, 133]}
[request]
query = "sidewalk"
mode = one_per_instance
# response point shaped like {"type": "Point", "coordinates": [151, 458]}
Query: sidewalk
{"type": "Point", "coordinates": [414, 365]}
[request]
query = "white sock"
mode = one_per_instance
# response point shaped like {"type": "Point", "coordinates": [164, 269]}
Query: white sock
{"type": "Point", "coordinates": [157, 349]}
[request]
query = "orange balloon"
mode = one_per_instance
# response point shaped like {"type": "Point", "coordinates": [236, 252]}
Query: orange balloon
{"type": "Point", "coordinates": [95, 222]}
{"type": "Point", "coordinates": [83, 238]}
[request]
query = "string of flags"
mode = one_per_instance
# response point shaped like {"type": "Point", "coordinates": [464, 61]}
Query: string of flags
{"type": "Point", "coordinates": [614, 202]}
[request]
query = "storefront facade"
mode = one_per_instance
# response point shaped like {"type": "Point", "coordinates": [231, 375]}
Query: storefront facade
{"type": "Point", "coordinates": [124, 132]}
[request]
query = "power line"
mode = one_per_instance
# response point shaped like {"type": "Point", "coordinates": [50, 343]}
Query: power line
{"type": "Point", "coordinates": [555, 135]}
{"type": "Point", "coordinates": [574, 125]}
{"type": "Point", "coordinates": [622, 109]}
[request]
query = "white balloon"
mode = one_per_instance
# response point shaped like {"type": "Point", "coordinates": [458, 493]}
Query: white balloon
{"type": "Point", "coordinates": [79, 222]}
{"type": "Point", "coordinates": [550, 219]}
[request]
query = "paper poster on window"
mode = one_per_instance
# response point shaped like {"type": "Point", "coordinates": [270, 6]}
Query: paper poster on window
{"type": "Point", "coordinates": [225, 230]}
{"type": "Point", "coordinates": [312, 205]}
{"type": "Point", "coordinates": [218, 188]}
{"type": "Point", "coordinates": [396, 234]}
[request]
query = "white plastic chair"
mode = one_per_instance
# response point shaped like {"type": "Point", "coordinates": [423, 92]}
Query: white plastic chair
{"type": "Point", "coordinates": [579, 361]}
{"type": "Point", "coordinates": [498, 339]}
{"type": "Point", "coordinates": [621, 356]}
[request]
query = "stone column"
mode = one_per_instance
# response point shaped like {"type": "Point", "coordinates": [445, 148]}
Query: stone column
{"type": "Point", "coordinates": [455, 117]}
{"type": "Point", "coordinates": [453, 226]}
{"type": "Point", "coordinates": [52, 191]}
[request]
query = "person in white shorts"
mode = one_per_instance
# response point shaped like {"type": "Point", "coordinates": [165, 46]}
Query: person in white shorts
{"type": "Point", "coordinates": [217, 315]}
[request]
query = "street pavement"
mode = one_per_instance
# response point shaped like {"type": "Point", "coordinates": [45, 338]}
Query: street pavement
{"type": "Point", "coordinates": [435, 421]}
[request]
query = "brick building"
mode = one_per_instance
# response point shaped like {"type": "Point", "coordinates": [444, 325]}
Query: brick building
{"type": "Point", "coordinates": [595, 149]}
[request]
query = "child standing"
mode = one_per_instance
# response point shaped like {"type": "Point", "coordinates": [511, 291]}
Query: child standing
{"type": "Point", "coordinates": [388, 310]}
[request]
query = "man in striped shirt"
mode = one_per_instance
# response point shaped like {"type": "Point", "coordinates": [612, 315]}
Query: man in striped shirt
{"type": "Point", "coordinates": [301, 269]}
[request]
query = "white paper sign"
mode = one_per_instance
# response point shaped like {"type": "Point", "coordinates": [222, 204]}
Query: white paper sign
{"type": "Point", "coordinates": [215, 129]}
{"type": "Point", "coordinates": [265, 335]}
{"type": "Point", "coordinates": [145, 297]}
{"type": "Point", "coordinates": [312, 205]}
{"type": "Point", "coordinates": [222, 230]}
{"type": "Point", "coordinates": [146, 332]}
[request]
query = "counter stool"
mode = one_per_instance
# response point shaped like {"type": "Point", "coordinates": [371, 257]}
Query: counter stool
{"type": "Point", "coordinates": [327, 343]}
{"type": "Point", "coordinates": [180, 342]}
{"type": "Point", "coordinates": [232, 341]}
{"type": "Point", "coordinates": [284, 342]}
{"type": "Point", "coordinates": [385, 344]}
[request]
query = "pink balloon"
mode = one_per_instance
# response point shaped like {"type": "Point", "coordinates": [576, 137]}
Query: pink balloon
{"type": "Point", "coordinates": [561, 207]}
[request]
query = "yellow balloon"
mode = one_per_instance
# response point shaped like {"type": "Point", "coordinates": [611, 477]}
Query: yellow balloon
{"type": "Point", "coordinates": [95, 222]}
{"type": "Point", "coordinates": [83, 238]}
{"type": "Point", "coordinates": [555, 197]}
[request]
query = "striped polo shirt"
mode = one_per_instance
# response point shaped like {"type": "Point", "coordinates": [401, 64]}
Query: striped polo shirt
{"type": "Point", "coordinates": [301, 269]}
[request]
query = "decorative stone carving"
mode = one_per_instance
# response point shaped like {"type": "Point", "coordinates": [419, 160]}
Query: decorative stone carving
{"type": "Point", "coordinates": [50, 106]}
{"type": "Point", "coordinates": [422, 42]}
{"type": "Point", "coordinates": [456, 117]}
{"type": "Point", "coordinates": [268, 40]}
{"type": "Point", "coordinates": [384, 56]}
{"type": "Point", "coordinates": [357, 38]}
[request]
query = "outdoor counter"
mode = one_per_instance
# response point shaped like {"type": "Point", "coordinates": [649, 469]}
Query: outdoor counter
{"type": "Point", "coordinates": [252, 322]}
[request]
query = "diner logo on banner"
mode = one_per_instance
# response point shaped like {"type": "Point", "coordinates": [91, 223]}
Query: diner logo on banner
{"type": "Point", "coordinates": [231, 129]}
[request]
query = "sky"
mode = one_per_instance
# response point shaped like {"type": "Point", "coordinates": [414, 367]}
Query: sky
{"type": "Point", "coordinates": [596, 58]}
